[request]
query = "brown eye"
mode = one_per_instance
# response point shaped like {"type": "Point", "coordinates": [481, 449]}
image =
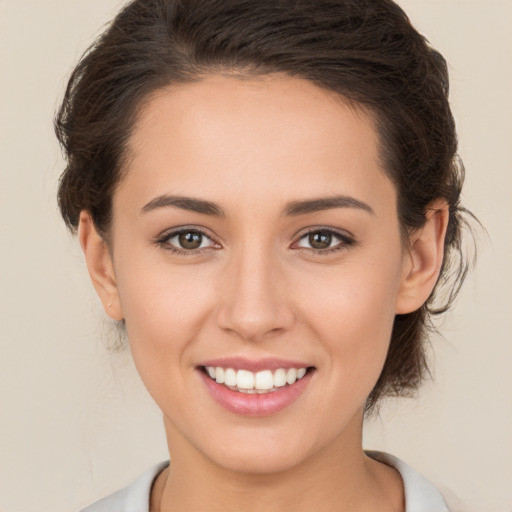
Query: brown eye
{"type": "Point", "coordinates": [187, 240]}
{"type": "Point", "coordinates": [324, 241]}
{"type": "Point", "coordinates": [320, 240]}
{"type": "Point", "coordinates": [190, 240]}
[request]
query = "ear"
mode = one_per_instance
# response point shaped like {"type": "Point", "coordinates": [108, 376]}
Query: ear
{"type": "Point", "coordinates": [99, 264]}
{"type": "Point", "coordinates": [423, 262]}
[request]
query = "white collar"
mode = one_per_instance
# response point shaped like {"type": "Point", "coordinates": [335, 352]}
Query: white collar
{"type": "Point", "coordinates": [420, 494]}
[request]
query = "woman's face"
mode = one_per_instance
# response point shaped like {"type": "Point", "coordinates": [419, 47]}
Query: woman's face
{"type": "Point", "coordinates": [257, 231]}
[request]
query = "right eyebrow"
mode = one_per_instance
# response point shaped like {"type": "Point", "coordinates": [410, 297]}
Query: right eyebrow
{"type": "Point", "coordinates": [185, 203]}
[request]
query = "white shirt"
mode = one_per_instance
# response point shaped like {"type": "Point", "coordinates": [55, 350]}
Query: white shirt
{"type": "Point", "coordinates": [420, 494]}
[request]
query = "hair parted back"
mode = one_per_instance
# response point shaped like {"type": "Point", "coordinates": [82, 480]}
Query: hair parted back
{"type": "Point", "coordinates": [365, 50]}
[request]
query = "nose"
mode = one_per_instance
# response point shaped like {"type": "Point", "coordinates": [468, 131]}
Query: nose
{"type": "Point", "coordinates": [255, 303]}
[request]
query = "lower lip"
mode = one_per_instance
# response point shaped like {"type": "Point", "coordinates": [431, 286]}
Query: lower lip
{"type": "Point", "coordinates": [255, 404]}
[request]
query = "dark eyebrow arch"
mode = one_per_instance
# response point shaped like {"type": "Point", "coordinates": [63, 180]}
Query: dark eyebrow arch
{"type": "Point", "coordinates": [325, 203]}
{"type": "Point", "coordinates": [185, 203]}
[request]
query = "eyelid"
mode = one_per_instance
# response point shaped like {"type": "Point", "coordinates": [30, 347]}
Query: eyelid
{"type": "Point", "coordinates": [346, 239]}
{"type": "Point", "coordinates": [163, 239]}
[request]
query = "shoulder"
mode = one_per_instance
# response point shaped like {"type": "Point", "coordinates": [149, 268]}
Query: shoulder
{"type": "Point", "coordinates": [134, 498]}
{"type": "Point", "coordinates": [420, 494]}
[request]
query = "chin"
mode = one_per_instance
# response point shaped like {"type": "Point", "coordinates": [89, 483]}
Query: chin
{"type": "Point", "coordinates": [267, 449]}
{"type": "Point", "coordinates": [259, 460]}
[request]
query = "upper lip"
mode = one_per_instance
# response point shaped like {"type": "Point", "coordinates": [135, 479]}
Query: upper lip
{"type": "Point", "coordinates": [254, 365]}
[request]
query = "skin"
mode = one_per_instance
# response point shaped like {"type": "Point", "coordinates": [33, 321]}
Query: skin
{"type": "Point", "coordinates": [256, 288]}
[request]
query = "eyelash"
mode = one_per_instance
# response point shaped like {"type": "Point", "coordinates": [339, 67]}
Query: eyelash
{"type": "Point", "coordinates": [345, 241]}
{"type": "Point", "coordinates": [163, 241]}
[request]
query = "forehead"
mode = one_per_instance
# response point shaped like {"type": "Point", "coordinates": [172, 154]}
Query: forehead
{"type": "Point", "coordinates": [268, 134]}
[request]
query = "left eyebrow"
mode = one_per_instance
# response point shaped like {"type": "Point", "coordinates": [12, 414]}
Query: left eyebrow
{"type": "Point", "coordinates": [325, 203]}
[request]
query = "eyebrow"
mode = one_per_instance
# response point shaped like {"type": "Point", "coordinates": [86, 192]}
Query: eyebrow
{"type": "Point", "coordinates": [185, 203]}
{"type": "Point", "coordinates": [292, 209]}
{"type": "Point", "coordinates": [325, 203]}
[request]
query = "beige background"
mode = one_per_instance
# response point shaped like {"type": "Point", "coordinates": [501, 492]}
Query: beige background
{"type": "Point", "coordinates": [75, 423]}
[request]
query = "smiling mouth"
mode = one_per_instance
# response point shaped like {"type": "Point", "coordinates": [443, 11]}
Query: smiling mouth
{"type": "Point", "coordinates": [262, 382]}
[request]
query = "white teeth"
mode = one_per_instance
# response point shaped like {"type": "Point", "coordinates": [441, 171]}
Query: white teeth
{"type": "Point", "coordinates": [280, 378]}
{"type": "Point", "coordinates": [219, 374]}
{"type": "Point", "coordinates": [230, 377]}
{"type": "Point", "coordinates": [263, 381]}
{"type": "Point", "coordinates": [291, 375]}
{"type": "Point", "coordinates": [244, 379]}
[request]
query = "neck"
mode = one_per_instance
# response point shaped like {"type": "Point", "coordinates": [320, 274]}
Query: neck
{"type": "Point", "coordinates": [340, 478]}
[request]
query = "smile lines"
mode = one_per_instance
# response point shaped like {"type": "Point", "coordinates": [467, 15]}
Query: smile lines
{"type": "Point", "coordinates": [264, 381]}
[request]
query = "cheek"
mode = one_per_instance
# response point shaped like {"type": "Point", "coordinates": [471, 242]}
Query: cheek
{"type": "Point", "coordinates": [165, 307]}
{"type": "Point", "coordinates": [155, 294]}
{"type": "Point", "coordinates": [351, 313]}
{"type": "Point", "coordinates": [163, 318]}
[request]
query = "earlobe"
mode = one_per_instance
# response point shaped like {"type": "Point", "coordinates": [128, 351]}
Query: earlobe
{"type": "Point", "coordinates": [99, 264]}
{"type": "Point", "coordinates": [423, 262]}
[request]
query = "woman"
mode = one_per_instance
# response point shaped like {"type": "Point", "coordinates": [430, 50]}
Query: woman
{"type": "Point", "coordinates": [267, 197]}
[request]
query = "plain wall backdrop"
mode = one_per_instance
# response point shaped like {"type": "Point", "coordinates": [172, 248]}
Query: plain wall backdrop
{"type": "Point", "coordinates": [75, 422]}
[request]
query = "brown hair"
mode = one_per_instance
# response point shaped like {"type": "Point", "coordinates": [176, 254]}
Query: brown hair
{"type": "Point", "coordinates": [365, 50]}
